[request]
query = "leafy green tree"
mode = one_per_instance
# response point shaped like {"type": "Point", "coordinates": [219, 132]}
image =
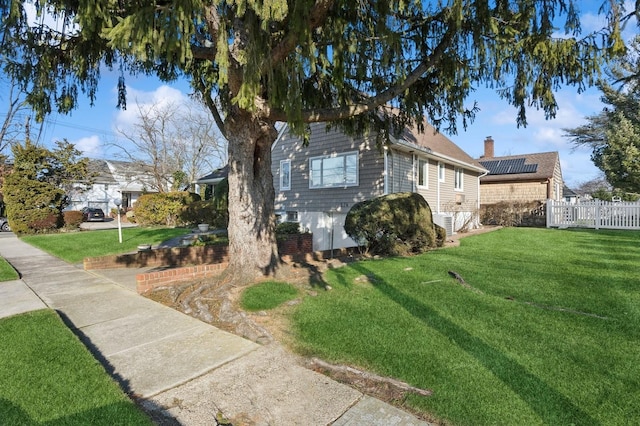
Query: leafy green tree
{"type": "Point", "coordinates": [35, 190]}
{"type": "Point", "coordinates": [614, 133]}
{"type": "Point", "coordinates": [360, 65]}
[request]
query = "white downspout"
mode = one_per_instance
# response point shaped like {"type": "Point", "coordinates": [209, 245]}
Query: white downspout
{"type": "Point", "coordinates": [386, 171]}
{"type": "Point", "coordinates": [438, 187]}
{"type": "Point", "coordinates": [478, 200]}
{"type": "Point", "coordinates": [414, 174]}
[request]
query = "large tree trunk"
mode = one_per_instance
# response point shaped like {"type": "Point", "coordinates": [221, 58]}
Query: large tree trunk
{"type": "Point", "coordinates": [253, 250]}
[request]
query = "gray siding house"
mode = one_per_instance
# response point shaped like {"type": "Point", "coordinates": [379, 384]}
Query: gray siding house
{"type": "Point", "coordinates": [316, 185]}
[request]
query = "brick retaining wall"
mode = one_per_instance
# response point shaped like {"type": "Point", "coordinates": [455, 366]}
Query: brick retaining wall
{"type": "Point", "coordinates": [174, 257]}
{"type": "Point", "coordinates": [190, 263]}
{"type": "Point", "coordinates": [149, 280]}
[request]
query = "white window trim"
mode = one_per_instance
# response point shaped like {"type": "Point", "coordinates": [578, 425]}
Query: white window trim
{"type": "Point", "coordinates": [442, 172]}
{"type": "Point", "coordinates": [292, 213]}
{"type": "Point", "coordinates": [458, 185]}
{"type": "Point", "coordinates": [340, 185]}
{"type": "Point", "coordinates": [284, 187]}
{"type": "Point", "coordinates": [425, 172]}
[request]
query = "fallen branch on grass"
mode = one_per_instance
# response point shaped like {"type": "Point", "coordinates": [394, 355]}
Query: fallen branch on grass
{"type": "Point", "coordinates": [462, 282]}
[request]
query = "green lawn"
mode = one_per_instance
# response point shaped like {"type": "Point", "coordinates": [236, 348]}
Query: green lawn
{"type": "Point", "coordinates": [267, 295]}
{"type": "Point", "coordinates": [48, 377]}
{"type": "Point", "coordinates": [74, 247]}
{"type": "Point", "coordinates": [7, 273]}
{"type": "Point", "coordinates": [547, 333]}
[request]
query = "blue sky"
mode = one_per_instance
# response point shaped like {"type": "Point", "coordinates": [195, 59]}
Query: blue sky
{"type": "Point", "coordinates": [93, 128]}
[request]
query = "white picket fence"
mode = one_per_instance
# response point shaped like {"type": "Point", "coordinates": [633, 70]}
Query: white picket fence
{"type": "Point", "coordinates": [593, 214]}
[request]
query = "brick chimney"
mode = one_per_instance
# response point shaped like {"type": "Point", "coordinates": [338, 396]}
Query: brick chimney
{"type": "Point", "coordinates": [488, 148]}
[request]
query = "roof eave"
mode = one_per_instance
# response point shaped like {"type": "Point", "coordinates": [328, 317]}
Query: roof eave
{"type": "Point", "coordinates": [428, 152]}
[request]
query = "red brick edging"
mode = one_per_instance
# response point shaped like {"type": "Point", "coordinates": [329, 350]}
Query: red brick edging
{"type": "Point", "coordinates": [150, 280]}
{"type": "Point", "coordinates": [188, 263]}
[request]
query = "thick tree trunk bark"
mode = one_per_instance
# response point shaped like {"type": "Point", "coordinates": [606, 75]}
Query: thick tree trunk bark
{"type": "Point", "coordinates": [253, 250]}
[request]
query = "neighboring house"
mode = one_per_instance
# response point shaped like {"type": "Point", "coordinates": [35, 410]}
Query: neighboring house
{"type": "Point", "coordinates": [520, 178]}
{"type": "Point", "coordinates": [112, 180]}
{"type": "Point", "coordinates": [316, 185]}
{"type": "Point", "coordinates": [569, 195]}
{"type": "Point", "coordinates": [210, 181]}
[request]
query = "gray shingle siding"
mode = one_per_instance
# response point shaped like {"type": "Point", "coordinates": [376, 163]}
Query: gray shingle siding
{"type": "Point", "coordinates": [302, 198]}
{"type": "Point", "coordinates": [400, 172]}
{"type": "Point", "coordinates": [322, 210]}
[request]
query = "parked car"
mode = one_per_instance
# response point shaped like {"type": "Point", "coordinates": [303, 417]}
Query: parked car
{"type": "Point", "coordinates": [92, 214]}
{"type": "Point", "coordinates": [4, 224]}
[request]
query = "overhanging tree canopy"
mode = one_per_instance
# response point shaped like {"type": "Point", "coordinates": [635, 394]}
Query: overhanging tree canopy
{"type": "Point", "coordinates": [343, 61]}
{"type": "Point", "coordinates": [614, 133]}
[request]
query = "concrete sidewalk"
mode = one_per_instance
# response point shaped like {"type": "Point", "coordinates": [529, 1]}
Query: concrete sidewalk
{"type": "Point", "coordinates": [183, 371]}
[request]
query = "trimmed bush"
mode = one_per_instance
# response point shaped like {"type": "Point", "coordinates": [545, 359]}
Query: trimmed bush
{"type": "Point", "coordinates": [163, 208]}
{"type": "Point", "coordinates": [441, 235]}
{"type": "Point", "coordinates": [394, 224]}
{"type": "Point", "coordinates": [288, 228]}
{"type": "Point", "coordinates": [72, 219]}
{"type": "Point", "coordinates": [205, 212]}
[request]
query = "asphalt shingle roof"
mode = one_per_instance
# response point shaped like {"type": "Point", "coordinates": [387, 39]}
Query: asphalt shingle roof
{"type": "Point", "coordinates": [520, 167]}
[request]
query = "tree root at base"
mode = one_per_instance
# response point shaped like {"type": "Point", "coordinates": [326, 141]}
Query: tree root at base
{"type": "Point", "coordinates": [385, 388]}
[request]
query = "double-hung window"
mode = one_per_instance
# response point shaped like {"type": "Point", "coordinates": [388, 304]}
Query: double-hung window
{"type": "Point", "coordinates": [458, 179]}
{"type": "Point", "coordinates": [334, 171]}
{"type": "Point", "coordinates": [423, 173]}
{"type": "Point", "coordinates": [285, 175]}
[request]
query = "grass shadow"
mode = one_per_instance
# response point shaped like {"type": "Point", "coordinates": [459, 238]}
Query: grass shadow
{"type": "Point", "coordinates": [549, 404]}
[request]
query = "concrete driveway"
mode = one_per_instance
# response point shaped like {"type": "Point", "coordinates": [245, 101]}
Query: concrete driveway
{"type": "Point", "coordinates": [109, 223]}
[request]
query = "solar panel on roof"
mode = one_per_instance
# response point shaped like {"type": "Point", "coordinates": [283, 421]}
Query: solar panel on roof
{"type": "Point", "coordinates": [509, 166]}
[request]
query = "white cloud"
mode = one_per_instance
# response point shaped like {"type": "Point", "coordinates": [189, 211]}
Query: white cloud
{"type": "Point", "coordinates": [139, 100]}
{"type": "Point", "coordinates": [90, 146]}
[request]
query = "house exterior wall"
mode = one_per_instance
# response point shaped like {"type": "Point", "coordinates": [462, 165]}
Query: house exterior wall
{"type": "Point", "coordinates": [447, 201]}
{"type": "Point", "coordinates": [525, 189]}
{"type": "Point", "coordinates": [557, 183]}
{"type": "Point", "coordinates": [337, 199]}
{"type": "Point", "coordinates": [401, 172]}
{"type": "Point", "coordinates": [323, 211]}
{"type": "Point", "coordinates": [99, 195]}
{"type": "Point", "coordinates": [495, 192]}
{"type": "Point", "coordinates": [111, 183]}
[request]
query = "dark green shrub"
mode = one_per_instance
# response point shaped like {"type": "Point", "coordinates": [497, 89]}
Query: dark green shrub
{"type": "Point", "coordinates": [221, 195]}
{"type": "Point", "coordinates": [192, 197]}
{"type": "Point", "coordinates": [441, 235]}
{"type": "Point", "coordinates": [205, 212]}
{"type": "Point", "coordinates": [394, 224]}
{"type": "Point", "coordinates": [288, 228]}
{"type": "Point", "coordinates": [72, 219]}
{"type": "Point", "coordinates": [32, 221]}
